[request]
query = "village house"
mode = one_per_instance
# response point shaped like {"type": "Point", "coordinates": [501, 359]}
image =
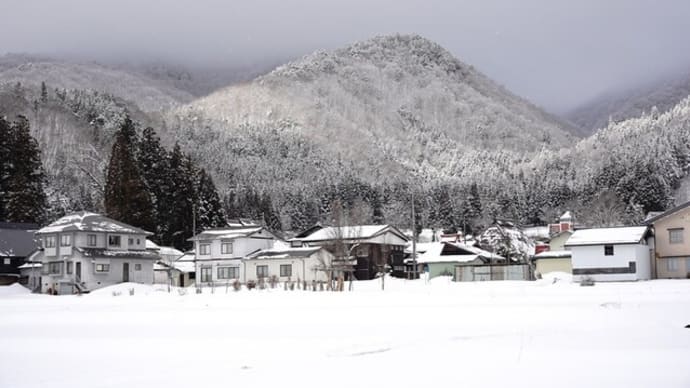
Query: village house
{"type": "Point", "coordinates": [376, 248]}
{"type": "Point", "coordinates": [166, 270]}
{"type": "Point", "coordinates": [218, 253]}
{"type": "Point", "coordinates": [611, 254]}
{"type": "Point", "coordinates": [557, 258]}
{"type": "Point", "coordinates": [85, 251]}
{"type": "Point", "coordinates": [442, 258]}
{"type": "Point", "coordinates": [671, 256]}
{"type": "Point", "coordinates": [16, 244]}
{"type": "Point", "coordinates": [289, 264]}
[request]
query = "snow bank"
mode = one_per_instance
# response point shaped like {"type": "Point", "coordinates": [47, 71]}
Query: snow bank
{"type": "Point", "coordinates": [123, 289]}
{"type": "Point", "coordinates": [14, 289]}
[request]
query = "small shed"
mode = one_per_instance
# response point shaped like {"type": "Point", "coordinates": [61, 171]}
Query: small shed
{"type": "Point", "coordinates": [611, 254]}
{"type": "Point", "coordinates": [552, 261]}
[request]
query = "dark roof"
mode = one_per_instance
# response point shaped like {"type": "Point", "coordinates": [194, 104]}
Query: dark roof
{"type": "Point", "coordinates": [306, 233]}
{"type": "Point", "coordinates": [656, 218]}
{"type": "Point", "coordinates": [18, 225]}
{"type": "Point", "coordinates": [117, 254]}
{"type": "Point", "coordinates": [290, 252]}
{"type": "Point", "coordinates": [17, 242]}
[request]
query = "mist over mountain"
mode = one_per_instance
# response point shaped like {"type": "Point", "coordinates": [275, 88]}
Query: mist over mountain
{"type": "Point", "coordinates": [620, 105]}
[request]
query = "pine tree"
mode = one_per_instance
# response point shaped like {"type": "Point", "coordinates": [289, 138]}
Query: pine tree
{"type": "Point", "coordinates": [270, 217]}
{"type": "Point", "coordinates": [44, 93]}
{"type": "Point", "coordinates": [127, 198]}
{"type": "Point", "coordinates": [155, 167]}
{"type": "Point", "coordinates": [24, 177]}
{"type": "Point", "coordinates": [210, 212]}
{"type": "Point", "coordinates": [182, 196]}
{"type": "Point", "coordinates": [5, 165]}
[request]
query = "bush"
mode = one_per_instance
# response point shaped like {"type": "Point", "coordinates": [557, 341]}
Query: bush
{"type": "Point", "coordinates": [586, 281]}
{"type": "Point", "coordinates": [251, 284]}
{"type": "Point", "coordinates": [273, 281]}
{"type": "Point", "coordinates": [131, 291]}
{"type": "Point", "coordinates": [236, 285]}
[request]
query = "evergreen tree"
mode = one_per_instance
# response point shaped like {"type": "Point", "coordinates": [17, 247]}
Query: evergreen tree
{"type": "Point", "coordinates": [270, 217]}
{"type": "Point", "coordinates": [5, 165]}
{"type": "Point", "coordinates": [182, 195]}
{"type": "Point", "coordinates": [25, 195]}
{"type": "Point", "coordinates": [155, 167]}
{"type": "Point", "coordinates": [44, 93]}
{"type": "Point", "coordinates": [126, 197]}
{"type": "Point", "coordinates": [210, 212]}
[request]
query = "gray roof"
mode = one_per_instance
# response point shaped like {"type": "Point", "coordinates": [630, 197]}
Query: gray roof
{"type": "Point", "coordinates": [284, 253]}
{"type": "Point", "coordinates": [657, 217]}
{"type": "Point", "coordinates": [117, 254]}
{"type": "Point", "coordinates": [90, 222]}
{"type": "Point", "coordinates": [17, 242]}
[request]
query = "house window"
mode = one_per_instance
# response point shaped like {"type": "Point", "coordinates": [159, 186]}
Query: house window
{"type": "Point", "coordinates": [675, 236]}
{"type": "Point", "coordinates": [206, 274]}
{"type": "Point", "coordinates": [228, 272]}
{"type": "Point", "coordinates": [130, 241]}
{"type": "Point", "coordinates": [226, 248]}
{"type": "Point", "coordinates": [7, 261]}
{"type": "Point", "coordinates": [672, 265]}
{"type": "Point", "coordinates": [137, 267]}
{"type": "Point", "coordinates": [91, 240]}
{"type": "Point", "coordinates": [68, 267]}
{"type": "Point", "coordinates": [55, 268]}
{"type": "Point", "coordinates": [286, 270]}
{"type": "Point", "coordinates": [65, 240]}
{"type": "Point", "coordinates": [138, 242]}
{"type": "Point", "coordinates": [608, 250]}
{"type": "Point", "coordinates": [50, 242]}
{"type": "Point", "coordinates": [114, 241]}
{"type": "Point", "coordinates": [100, 268]}
{"type": "Point", "coordinates": [205, 249]}
{"type": "Point", "coordinates": [261, 271]}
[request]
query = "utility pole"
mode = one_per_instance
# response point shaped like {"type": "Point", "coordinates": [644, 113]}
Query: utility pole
{"type": "Point", "coordinates": [414, 240]}
{"type": "Point", "coordinates": [197, 279]}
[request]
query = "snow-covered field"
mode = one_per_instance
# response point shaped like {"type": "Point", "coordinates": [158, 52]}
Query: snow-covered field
{"type": "Point", "coordinates": [495, 334]}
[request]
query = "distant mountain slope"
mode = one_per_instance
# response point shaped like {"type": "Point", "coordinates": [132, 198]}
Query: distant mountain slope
{"type": "Point", "coordinates": [401, 99]}
{"type": "Point", "coordinates": [622, 105]}
{"type": "Point", "coordinates": [147, 93]}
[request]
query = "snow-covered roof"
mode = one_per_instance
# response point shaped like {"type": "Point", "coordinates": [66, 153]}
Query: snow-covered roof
{"type": "Point", "coordinates": [600, 236]}
{"type": "Point", "coordinates": [536, 232]}
{"type": "Point", "coordinates": [284, 253]}
{"type": "Point", "coordinates": [90, 222]}
{"type": "Point", "coordinates": [169, 251]}
{"type": "Point", "coordinates": [567, 216]}
{"type": "Point", "coordinates": [553, 255]}
{"type": "Point", "coordinates": [182, 266]}
{"type": "Point", "coordinates": [227, 233]}
{"type": "Point", "coordinates": [448, 252]}
{"type": "Point", "coordinates": [30, 265]}
{"type": "Point", "coordinates": [117, 253]}
{"type": "Point", "coordinates": [355, 232]}
{"type": "Point", "coordinates": [652, 218]}
{"type": "Point", "coordinates": [152, 245]}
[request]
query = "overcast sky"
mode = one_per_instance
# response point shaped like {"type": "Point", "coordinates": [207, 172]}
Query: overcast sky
{"type": "Point", "coordinates": [556, 53]}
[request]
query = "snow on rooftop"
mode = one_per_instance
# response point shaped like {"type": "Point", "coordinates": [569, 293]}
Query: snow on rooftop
{"type": "Point", "coordinates": [600, 236]}
{"type": "Point", "coordinates": [346, 232]}
{"type": "Point", "coordinates": [553, 255]}
{"type": "Point", "coordinates": [90, 222]}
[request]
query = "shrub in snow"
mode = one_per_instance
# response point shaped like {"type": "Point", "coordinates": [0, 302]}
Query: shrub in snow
{"type": "Point", "coordinates": [182, 291]}
{"type": "Point", "coordinates": [586, 281]}
{"type": "Point", "coordinates": [251, 284]}
{"type": "Point", "coordinates": [292, 286]}
{"type": "Point", "coordinates": [236, 285]}
{"type": "Point", "coordinates": [131, 291]}
{"type": "Point", "coordinates": [273, 281]}
{"type": "Point", "coordinates": [117, 293]}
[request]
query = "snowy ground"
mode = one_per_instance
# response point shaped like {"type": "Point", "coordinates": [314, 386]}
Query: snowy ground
{"type": "Point", "coordinates": [493, 334]}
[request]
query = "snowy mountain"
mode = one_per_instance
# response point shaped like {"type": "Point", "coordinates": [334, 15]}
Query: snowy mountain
{"type": "Point", "coordinates": [625, 104]}
{"type": "Point", "coordinates": [401, 97]}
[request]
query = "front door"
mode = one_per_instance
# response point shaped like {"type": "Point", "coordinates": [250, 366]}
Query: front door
{"type": "Point", "coordinates": [125, 272]}
{"type": "Point", "coordinates": [77, 270]}
{"type": "Point", "coordinates": [181, 284]}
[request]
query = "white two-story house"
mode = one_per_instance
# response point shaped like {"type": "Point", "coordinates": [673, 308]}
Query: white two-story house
{"type": "Point", "coordinates": [85, 251]}
{"type": "Point", "coordinates": [218, 253]}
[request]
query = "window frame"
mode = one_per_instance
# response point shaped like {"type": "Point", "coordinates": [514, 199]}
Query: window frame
{"type": "Point", "coordinates": [113, 237]}
{"type": "Point", "coordinates": [130, 241]}
{"type": "Point", "coordinates": [672, 264]}
{"type": "Point", "coordinates": [6, 261]}
{"type": "Point", "coordinates": [223, 248]}
{"type": "Point", "coordinates": [49, 242]}
{"type": "Point", "coordinates": [206, 274]}
{"type": "Point", "coordinates": [91, 240]}
{"type": "Point", "coordinates": [205, 249]}
{"type": "Point", "coordinates": [678, 233]}
{"type": "Point", "coordinates": [104, 268]}
{"type": "Point", "coordinates": [288, 273]}
{"type": "Point", "coordinates": [55, 267]}
{"type": "Point", "coordinates": [69, 267]}
{"type": "Point", "coordinates": [609, 250]}
{"type": "Point", "coordinates": [227, 272]}
{"type": "Point", "coordinates": [65, 240]}
{"type": "Point", "coordinates": [263, 266]}
{"type": "Point", "coordinates": [137, 266]}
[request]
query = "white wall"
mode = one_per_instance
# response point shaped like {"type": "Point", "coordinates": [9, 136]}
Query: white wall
{"type": "Point", "coordinates": [593, 257]}
{"type": "Point", "coordinates": [302, 269]}
{"type": "Point", "coordinates": [240, 247]}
